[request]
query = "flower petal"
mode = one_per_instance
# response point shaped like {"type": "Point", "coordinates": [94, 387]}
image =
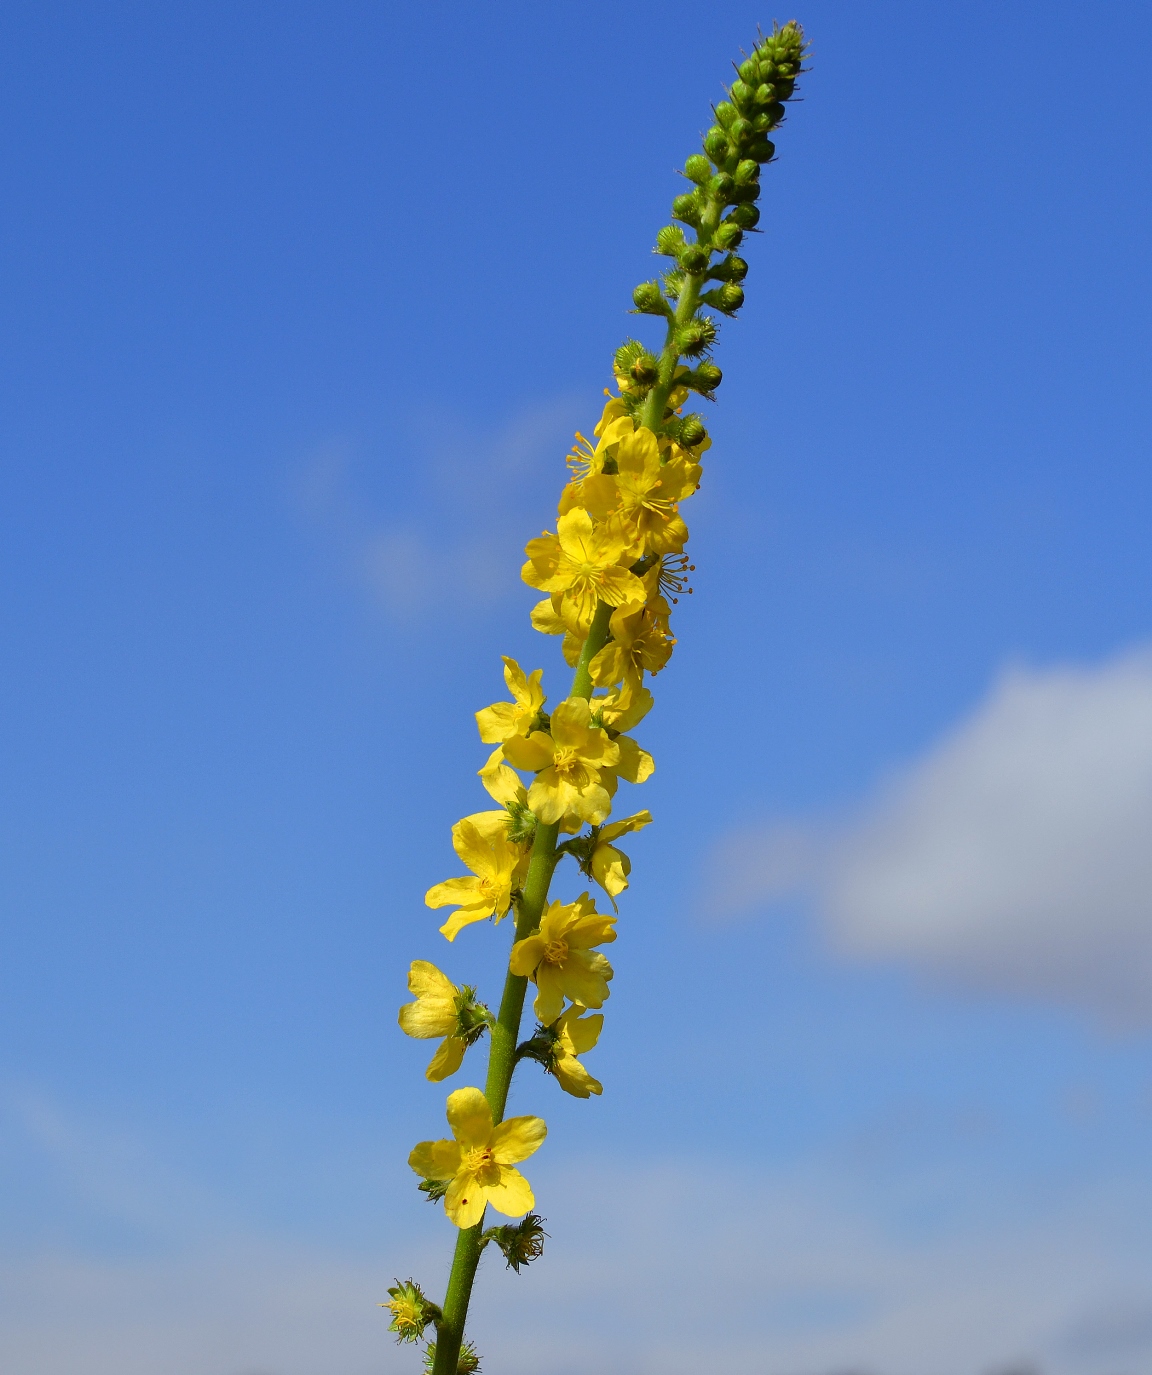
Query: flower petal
{"type": "Point", "coordinates": [470, 1117]}
{"type": "Point", "coordinates": [529, 752]}
{"type": "Point", "coordinates": [517, 1138]}
{"type": "Point", "coordinates": [513, 1195]}
{"type": "Point", "coordinates": [464, 1202]}
{"type": "Point", "coordinates": [447, 1060]}
{"type": "Point", "coordinates": [526, 955]}
{"type": "Point", "coordinates": [452, 890]}
{"type": "Point", "coordinates": [435, 1159]}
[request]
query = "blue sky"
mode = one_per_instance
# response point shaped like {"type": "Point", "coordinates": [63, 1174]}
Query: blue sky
{"type": "Point", "coordinates": [300, 308]}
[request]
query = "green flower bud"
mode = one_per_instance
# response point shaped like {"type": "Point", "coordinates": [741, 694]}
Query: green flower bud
{"type": "Point", "coordinates": [727, 236]}
{"type": "Point", "coordinates": [763, 150]}
{"type": "Point", "coordinates": [687, 208]}
{"type": "Point", "coordinates": [721, 186]}
{"type": "Point", "coordinates": [746, 170]}
{"type": "Point", "coordinates": [670, 240]}
{"type": "Point", "coordinates": [740, 132]}
{"type": "Point", "coordinates": [697, 169]}
{"type": "Point", "coordinates": [705, 378]}
{"type": "Point", "coordinates": [729, 269]}
{"type": "Point", "coordinates": [725, 114]}
{"type": "Point", "coordinates": [741, 94]}
{"type": "Point", "coordinates": [645, 370]}
{"type": "Point", "coordinates": [749, 70]}
{"type": "Point", "coordinates": [742, 194]}
{"type": "Point", "coordinates": [691, 431]}
{"type": "Point", "coordinates": [716, 144]}
{"type": "Point", "coordinates": [728, 298]}
{"type": "Point", "coordinates": [627, 354]}
{"type": "Point", "coordinates": [674, 283]}
{"type": "Point", "coordinates": [764, 94]}
{"type": "Point", "coordinates": [694, 258]}
{"type": "Point", "coordinates": [746, 216]}
{"type": "Point", "coordinates": [696, 336]}
{"type": "Point", "coordinates": [649, 300]}
{"type": "Point", "coordinates": [761, 123]}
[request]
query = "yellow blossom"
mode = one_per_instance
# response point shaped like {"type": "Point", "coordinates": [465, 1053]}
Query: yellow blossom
{"type": "Point", "coordinates": [546, 618]}
{"type": "Point", "coordinates": [503, 784]}
{"type": "Point", "coordinates": [568, 764]}
{"type": "Point", "coordinates": [560, 959]}
{"type": "Point", "coordinates": [643, 493]}
{"type": "Point", "coordinates": [494, 861]}
{"type": "Point", "coordinates": [442, 1009]}
{"type": "Point", "coordinates": [587, 462]}
{"type": "Point", "coordinates": [586, 564]}
{"type": "Point", "coordinates": [641, 642]}
{"type": "Point", "coordinates": [575, 1034]}
{"type": "Point", "coordinates": [479, 1160]}
{"type": "Point", "coordinates": [607, 865]}
{"type": "Point", "coordinates": [622, 708]}
{"type": "Point", "coordinates": [504, 719]}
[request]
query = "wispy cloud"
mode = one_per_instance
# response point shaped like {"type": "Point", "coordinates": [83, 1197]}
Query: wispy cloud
{"type": "Point", "coordinates": [1015, 854]}
{"type": "Point", "coordinates": [469, 502]}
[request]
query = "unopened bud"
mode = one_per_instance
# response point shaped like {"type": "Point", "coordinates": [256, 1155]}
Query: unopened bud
{"type": "Point", "coordinates": [727, 236]}
{"type": "Point", "coordinates": [730, 269]}
{"type": "Point", "coordinates": [649, 300]}
{"type": "Point", "coordinates": [696, 337]}
{"type": "Point", "coordinates": [725, 114]}
{"type": "Point", "coordinates": [694, 258]}
{"type": "Point", "coordinates": [721, 186]}
{"type": "Point", "coordinates": [691, 431]}
{"type": "Point", "coordinates": [716, 144]}
{"type": "Point", "coordinates": [763, 150]}
{"type": "Point", "coordinates": [740, 131]}
{"type": "Point", "coordinates": [670, 240]}
{"type": "Point", "coordinates": [703, 379]}
{"type": "Point", "coordinates": [746, 216]}
{"type": "Point", "coordinates": [749, 70]}
{"type": "Point", "coordinates": [697, 169]}
{"type": "Point", "coordinates": [741, 94]}
{"type": "Point", "coordinates": [746, 171]}
{"type": "Point", "coordinates": [645, 370]}
{"type": "Point", "coordinates": [686, 208]}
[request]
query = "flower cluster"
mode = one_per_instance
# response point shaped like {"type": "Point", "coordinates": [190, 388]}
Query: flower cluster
{"type": "Point", "coordinates": [610, 572]}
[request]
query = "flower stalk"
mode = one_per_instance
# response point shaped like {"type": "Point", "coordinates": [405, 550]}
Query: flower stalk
{"type": "Point", "coordinates": [618, 547]}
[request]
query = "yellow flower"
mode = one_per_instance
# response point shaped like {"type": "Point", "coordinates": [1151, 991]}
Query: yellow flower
{"type": "Point", "coordinates": [503, 719]}
{"type": "Point", "coordinates": [585, 563]}
{"type": "Point", "coordinates": [568, 764]}
{"type": "Point", "coordinates": [560, 959]}
{"type": "Point", "coordinates": [574, 1035]}
{"type": "Point", "coordinates": [546, 618]}
{"type": "Point", "coordinates": [607, 865]}
{"type": "Point", "coordinates": [641, 641]}
{"type": "Point", "coordinates": [643, 493]}
{"type": "Point", "coordinates": [442, 1009]}
{"type": "Point", "coordinates": [479, 1160]}
{"type": "Point", "coordinates": [588, 462]}
{"type": "Point", "coordinates": [622, 708]}
{"type": "Point", "coordinates": [481, 841]}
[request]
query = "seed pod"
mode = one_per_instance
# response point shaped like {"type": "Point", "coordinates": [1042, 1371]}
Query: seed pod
{"type": "Point", "coordinates": [740, 131]}
{"type": "Point", "coordinates": [649, 300]}
{"type": "Point", "coordinates": [697, 169]}
{"type": "Point", "coordinates": [749, 70]}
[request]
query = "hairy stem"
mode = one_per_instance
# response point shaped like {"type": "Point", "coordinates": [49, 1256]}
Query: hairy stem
{"type": "Point", "coordinates": [506, 1032]}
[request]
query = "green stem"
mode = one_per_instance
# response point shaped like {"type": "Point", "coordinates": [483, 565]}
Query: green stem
{"type": "Point", "coordinates": [506, 1032]}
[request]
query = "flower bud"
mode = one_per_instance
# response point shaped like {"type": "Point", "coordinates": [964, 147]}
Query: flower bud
{"type": "Point", "coordinates": [670, 240]}
{"type": "Point", "coordinates": [721, 186]}
{"type": "Point", "coordinates": [740, 132]}
{"type": "Point", "coordinates": [649, 300]}
{"type": "Point", "coordinates": [697, 169]}
{"type": "Point", "coordinates": [691, 431]}
{"type": "Point", "coordinates": [742, 194]}
{"type": "Point", "coordinates": [627, 354]}
{"type": "Point", "coordinates": [746, 216]}
{"type": "Point", "coordinates": [730, 269]}
{"type": "Point", "coordinates": [696, 337]}
{"type": "Point", "coordinates": [716, 144]}
{"type": "Point", "coordinates": [727, 236]}
{"type": "Point", "coordinates": [645, 370]}
{"type": "Point", "coordinates": [694, 258]}
{"type": "Point", "coordinates": [686, 208]}
{"type": "Point", "coordinates": [705, 378]}
{"type": "Point", "coordinates": [725, 114]}
{"type": "Point", "coordinates": [741, 94]}
{"type": "Point", "coordinates": [729, 298]}
{"type": "Point", "coordinates": [746, 170]}
{"type": "Point", "coordinates": [763, 150]}
{"type": "Point", "coordinates": [749, 70]}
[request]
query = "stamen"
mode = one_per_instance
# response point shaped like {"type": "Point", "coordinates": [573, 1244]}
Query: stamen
{"type": "Point", "coordinates": [673, 576]}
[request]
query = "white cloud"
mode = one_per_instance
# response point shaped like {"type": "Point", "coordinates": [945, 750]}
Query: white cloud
{"type": "Point", "coordinates": [464, 509]}
{"type": "Point", "coordinates": [1016, 853]}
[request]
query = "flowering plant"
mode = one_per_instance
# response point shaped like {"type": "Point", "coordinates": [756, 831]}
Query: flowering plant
{"type": "Point", "coordinates": [610, 572]}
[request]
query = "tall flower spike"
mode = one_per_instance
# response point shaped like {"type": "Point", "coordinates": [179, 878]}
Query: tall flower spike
{"type": "Point", "coordinates": [610, 574]}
